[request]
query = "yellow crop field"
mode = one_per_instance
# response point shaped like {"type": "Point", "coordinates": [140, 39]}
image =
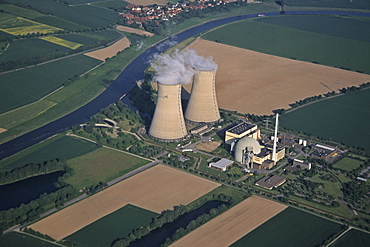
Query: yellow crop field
{"type": "Point", "coordinates": [22, 26]}
{"type": "Point", "coordinates": [62, 42]}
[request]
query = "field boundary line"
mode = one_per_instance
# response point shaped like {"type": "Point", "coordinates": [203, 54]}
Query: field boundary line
{"type": "Point", "coordinates": [43, 239]}
{"type": "Point", "coordinates": [104, 146]}
{"type": "Point", "coordinates": [34, 102]}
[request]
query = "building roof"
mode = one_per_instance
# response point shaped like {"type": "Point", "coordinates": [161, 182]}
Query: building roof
{"type": "Point", "coordinates": [241, 128]}
{"type": "Point", "coordinates": [271, 182]}
{"type": "Point", "coordinates": [222, 163]}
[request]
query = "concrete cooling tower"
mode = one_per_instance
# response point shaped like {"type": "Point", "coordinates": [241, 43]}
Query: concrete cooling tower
{"type": "Point", "coordinates": [202, 106]}
{"type": "Point", "coordinates": [168, 122]}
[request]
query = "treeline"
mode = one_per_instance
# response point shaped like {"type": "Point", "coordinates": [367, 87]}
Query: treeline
{"type": "Point", "coordinates": [353, 191]}
{"type": "Point", "coordinates": [354, 88]}
{"type": "Point", "coordinates": [31, 211]}
{"type": "Point", "coordinates": [32, 169]}
{"type": "Point", "coordinates": [169, 216]}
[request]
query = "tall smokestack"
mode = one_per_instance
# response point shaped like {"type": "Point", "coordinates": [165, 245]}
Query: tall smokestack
{"type": "Point", "coordinates": [168, 122]}
{"type": "Point", "coordinates": [202, 106]}
{"type": "Point", "coordinates": [275, 138]}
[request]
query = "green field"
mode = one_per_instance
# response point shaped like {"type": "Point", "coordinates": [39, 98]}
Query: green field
{"type": "Point", "coordinates": [332, 188]}
{"type": "Point", "coordinates": [23, 49]}
{"type": "Point", "coordinates": [15, 239]}
{"type": "Point", "coordinates": [86, 15]}
{"type": "Point", "coordinates": [343, 119]}
{"type": "Point", "coordinates": [292, 227]}
{"type": "Point", "coordinates": [28, 85]}
{"type": "Point", "coordinates": [348, 164]}
{"type": "Point", "coordinates": [56, 147]}
{"type": "Point", "coordinates": [115, 225]}
{"type": "Point", "coordinates": [101, 165]}
{"type": "Point", "coordinates": [353, 238]}
{"type": "Point", "coordinates": [357, 4]}
{"type": "Point", "coordinates": [303, 38]}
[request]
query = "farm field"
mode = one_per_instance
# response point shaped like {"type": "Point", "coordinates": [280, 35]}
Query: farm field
{"type": "Point", "coordinates": [62, 42]}
{"type": "Point", "coordinates": [265, 82]}
{"type": "Point", "coordinates": [115, 225]}
{"type": "Point", "coordinates": [322, 118]}
{"type": "Point", "coordinates": [56, 147]}
{"type": "Point", "coordinates": [18, 239]}
{"type": "Point", "coordinates": [21, 26]}
{"type": "Point", "coordinates": [142, 190]}
{"type": "Point", "coordinates": [306, 40]}
{"type": "Point", "coordinates": [111, 50]}
{"type": "Point", "coordinates": [101, 165]}
{"type": "Point", "coordinates": [353, 238]}
{"type": "Point", "coordinates": [348, 164]}
{"type": "Point", "coordinates": [148, 2]}
{"type": "Point", "coordinates": [134, 30]}
{"type": "Point", "coordinates": [86, 15]}
{"type": "Point", "coordinates": [28, 85]}
{"type": "Point", "coordinates": [234, 223]}
{"type": "Point", "coordinates": [290, 228]}
{"type": "Point", "coordinates": [359, 4]}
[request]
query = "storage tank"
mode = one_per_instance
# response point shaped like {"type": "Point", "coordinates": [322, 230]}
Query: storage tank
{"type": "Point", "coordinates": [202, 106]}
{"type": "Point", "coordinates": [168, 122]}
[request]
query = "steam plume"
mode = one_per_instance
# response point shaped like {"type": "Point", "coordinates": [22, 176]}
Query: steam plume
{"type": "Point", "coordinates": [179, 67]}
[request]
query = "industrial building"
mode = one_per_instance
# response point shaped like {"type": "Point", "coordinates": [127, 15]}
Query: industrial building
{"type": "Point", "coordinates": [222, 164]}
{"type": "Point", "coordinates": [241, 130]}
{"type": "Point", "coordinates": [271, 182]}
{"type": "Point", "coordinates": [202, 106]}
{"type": "Point", "coordinates": [168, 123]}
{"type": "Point", "coordinates": [245, 150]}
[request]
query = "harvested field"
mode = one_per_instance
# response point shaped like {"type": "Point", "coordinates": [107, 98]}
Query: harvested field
{"type": "Point", "coordinates": [156, 189]}
{"type": "Point", "coordinates": [110, 51]}
{"type": "Point", "coordinates": [134, 30]}
{"type": "Point", "coordinates": [208, 146]}
{"type": "Point", "coordinates": [233, 224]}
{"type": "Point", "coordinates": [147, 2]}
{"type": "Point", "coordinates": [2, 130]}
{"type": "Point", "coordinates": [257, 83]}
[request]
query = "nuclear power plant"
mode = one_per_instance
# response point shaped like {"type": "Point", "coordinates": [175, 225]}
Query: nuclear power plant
{"type": "Point", "coordinates": [172, 71]}
{"type": "Point", "coordinates": [168, 122]}
{"type": "Point", "coordinates": [202, 106]}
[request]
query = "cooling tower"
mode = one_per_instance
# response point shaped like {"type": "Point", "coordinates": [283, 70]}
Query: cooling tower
{"type": "Point", "coordinates": [168, 122]}
{"type": "Point", "coordinates": [202, 106]}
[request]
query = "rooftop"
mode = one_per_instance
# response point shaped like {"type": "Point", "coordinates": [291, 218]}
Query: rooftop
{"type": "Point", "coordinates": [271, 182]}
{"type": "Point", "coordinates": [241, 128]}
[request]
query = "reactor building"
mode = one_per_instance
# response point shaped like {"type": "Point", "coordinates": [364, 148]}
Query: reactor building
{"type": "Point", "coordinates": [202, 106]}
{"type": "Point", "coordinates": [168, 122]}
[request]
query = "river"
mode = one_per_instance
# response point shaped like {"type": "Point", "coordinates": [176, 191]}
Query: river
{"type": "Point", "coordinates": [124, 82]}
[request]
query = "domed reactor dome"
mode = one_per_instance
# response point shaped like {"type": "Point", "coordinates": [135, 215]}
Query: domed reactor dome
{"type": "Point", "coordinates": [245, 148]}
{"type": "Point", "coordinates": [168, 122]}
{"type": "Point", "coordinates": [202, 106]}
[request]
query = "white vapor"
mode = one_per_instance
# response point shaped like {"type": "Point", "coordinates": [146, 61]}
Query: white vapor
{"type": "Point", "coordinates": [179, 67]}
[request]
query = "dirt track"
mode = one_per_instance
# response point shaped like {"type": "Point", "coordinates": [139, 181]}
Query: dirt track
{"type": "Point", "coordinates": [233, 224]}
{"type": "Point", "coordinates": [111, 50]}
{"type": "Point", "coordinates": [252, 82]}
{"type": "Point", "coordinates": [156, 189]}
{"type": "Point", "coordinates": [134, 30]}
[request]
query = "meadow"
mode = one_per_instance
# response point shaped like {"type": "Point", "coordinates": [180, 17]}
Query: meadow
{"type": "Point", "coordinates": [343, 47]}
{"type": "Point", "coordinates": [18, 239]}
{"type": "Point", "coordinates": [358, 4]}
{"type": "Point", "coordinates": [348, 164]}
{"type": "Point", "coordinates": [292, 227]}
{"type": "Point", "coordinates": [101, 165]}
{"type": "Point", "coordinates": [87, 16]}
{"type": "Point", "coordinates": [353, 238]}
{"type": "Point", "coordinates": [59, 146]}
{"type": "Point", "coordinates": [343, 119]}
{"type": "Point", "coordinates": [115, 225]}
{"type": "Point", "coordinates": [28, 85]}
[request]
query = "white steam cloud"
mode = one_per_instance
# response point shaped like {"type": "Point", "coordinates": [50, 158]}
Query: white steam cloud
{"type": "Point", "coordinates": [179, 67]}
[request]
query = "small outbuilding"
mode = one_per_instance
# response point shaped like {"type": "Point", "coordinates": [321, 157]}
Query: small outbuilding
{"type": "Point", "coordinates": [222, 164]}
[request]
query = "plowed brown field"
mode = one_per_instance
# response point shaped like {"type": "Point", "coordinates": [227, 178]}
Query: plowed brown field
{"type": "Point", "coordinates": [134, 30]}
{"type": "Point", "coordinates": [257, 83]}
{"type": "Point", "coordinates": [232, 224]}
{"type": "Point", "coordinates": [111, 50]}
{"type": "Point", "coordinates": [156, 189]}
